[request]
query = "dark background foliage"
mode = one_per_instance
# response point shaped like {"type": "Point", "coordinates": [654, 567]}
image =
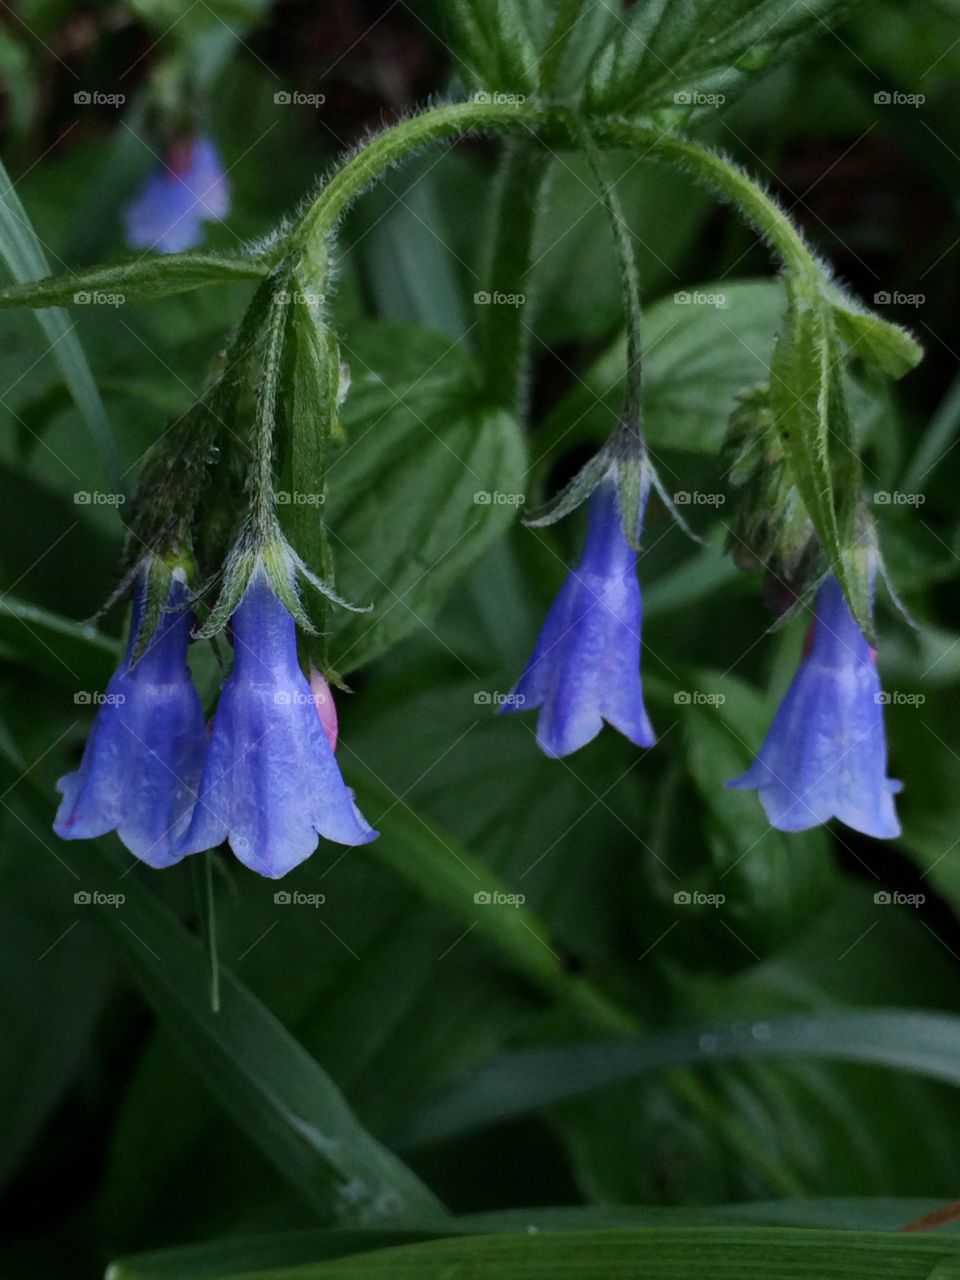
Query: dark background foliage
{"type": "Point", "coordinates": [112, 1141]}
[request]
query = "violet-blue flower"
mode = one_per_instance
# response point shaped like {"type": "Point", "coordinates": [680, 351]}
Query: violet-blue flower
{"type": "Point", "coordinates": [825, 754]}
{"type": "Point", "coordinates": [585, 668]}
{"type": "Point", "coordinates": [270, 783]}
{"type": "Point", "coordinates": [189, 188]}
{"type": "Point", "coordinates": [142, 760]}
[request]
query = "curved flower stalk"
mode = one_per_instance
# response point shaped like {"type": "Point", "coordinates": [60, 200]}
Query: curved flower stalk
{"type": "Point", "coordinates": [585, 668]}
{"type": "Point", "coordinates": [825, 754]}
{"type": "Point", "coordinates": [142, 761]}
{"type": "Point", "coordinates": [190, 188]}
{"type": "Point", "coordinates": [270, 785]}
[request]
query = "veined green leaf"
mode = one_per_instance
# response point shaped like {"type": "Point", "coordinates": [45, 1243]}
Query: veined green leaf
{"type": "Point", "coordinates": [495, 43]}
{"type": "Point", "coordinates": [149, 276]}
{"type": "Point", "coordinates": [427, 478]}
{"type": "Point", "coordinates": [812, 419]}
{"type": "Point", "coordinates": [678, 61]}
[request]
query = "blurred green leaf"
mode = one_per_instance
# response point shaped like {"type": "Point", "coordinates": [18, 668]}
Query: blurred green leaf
{"type": "Point", "coordinates": [25, 260]}
{"type": "Point", "coordinates": [530, 1079]}
{"type": "Point", "coordinates": [271, 1087]}
{"type": "Point", "coordinates": [426, 480]}
{"type": "Point", "coordinates": [703, 345]}
{"type": "Point", "coordinates": [677, 62]}
{"type": "Point", "coordinates": [72, 653]}
{"type": "Point", "coordinates": [495, 42]}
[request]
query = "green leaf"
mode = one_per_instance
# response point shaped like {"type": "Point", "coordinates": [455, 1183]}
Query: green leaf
{"type": "Point", "coordinates": [887, 346]}
{"type": "Point", "coordinates": [25, 260]}
{"type": "Point", "coordinates": [149, 276]}
{"type": "Point", "coordinates": [703, 344]}
{"type": "Point", "coordinates": [655, 1253]}
{"type": "Point", "coordinates": [413, 262]}
{"type": "Point", "coordinates": [447, 875]}
{"type": "Point", "coordinates": [271, 1087]}
{"type": "Point", "coordinates": [680, 61]}
{"type": "Point", "coordinates": [812, 420]}
{"type": "Point", "coordinates": [494, 42]}
{"type": "Point", "coordinates": [314, 380]}
{"type": "Point", "coordinates": [531, 1079]}
{"type": "Point", "coordinates": [265, 1253]}
{"type": "Point", "coordinates": [426, 480]}
{"type": "Point", "coordinates": [49, 1013]}
{"type": "Point", "coordinates": [73, 653]}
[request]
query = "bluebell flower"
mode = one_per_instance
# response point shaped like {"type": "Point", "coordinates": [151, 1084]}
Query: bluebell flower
{"type": "Point", "coordinates": [825, 755]}
{"type": "Point", "coordinates": [586, 666]}
{"type": "Point", "coordinates": [142, 761]}
{"type": "Point", "coordinates": [270, 783]}
{"type": "Point", "coordinates": [190, 188]}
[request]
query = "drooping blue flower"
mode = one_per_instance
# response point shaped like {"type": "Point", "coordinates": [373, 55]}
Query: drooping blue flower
{"type": "Point", "coordinates": [586, 666]}
{"type": "Point", "coordinates": [189, 188]}
{"type": "Point", "coordinates": [825, 754]}
{"type": "Point", "coordinates": [142, 761]}
{"type": "Point", "coordinates": [270, 784]}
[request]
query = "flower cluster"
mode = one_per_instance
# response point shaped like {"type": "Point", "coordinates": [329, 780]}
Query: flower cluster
{"type": "Point", "coordinates": [265, 779]}
{"type": "Point", "coordinates": [825, 754]}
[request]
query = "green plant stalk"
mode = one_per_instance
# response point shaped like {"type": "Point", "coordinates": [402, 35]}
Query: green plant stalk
{"type": "Point", "coordinates": [556, 129]}
{"type": "Point", "coordinates": [387, 149]}
{"type": "Point", "coordinates": [203, 882]}
{"type": "Point", "coordinates": [504, 334]}
{"type": "Point", "coordinates": [268, 400]}
{"type": "Point", "coordinates": [630, 284]}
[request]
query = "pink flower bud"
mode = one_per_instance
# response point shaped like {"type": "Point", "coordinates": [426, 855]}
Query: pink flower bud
{"type": "Point", "coordinates": [326, 707]}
